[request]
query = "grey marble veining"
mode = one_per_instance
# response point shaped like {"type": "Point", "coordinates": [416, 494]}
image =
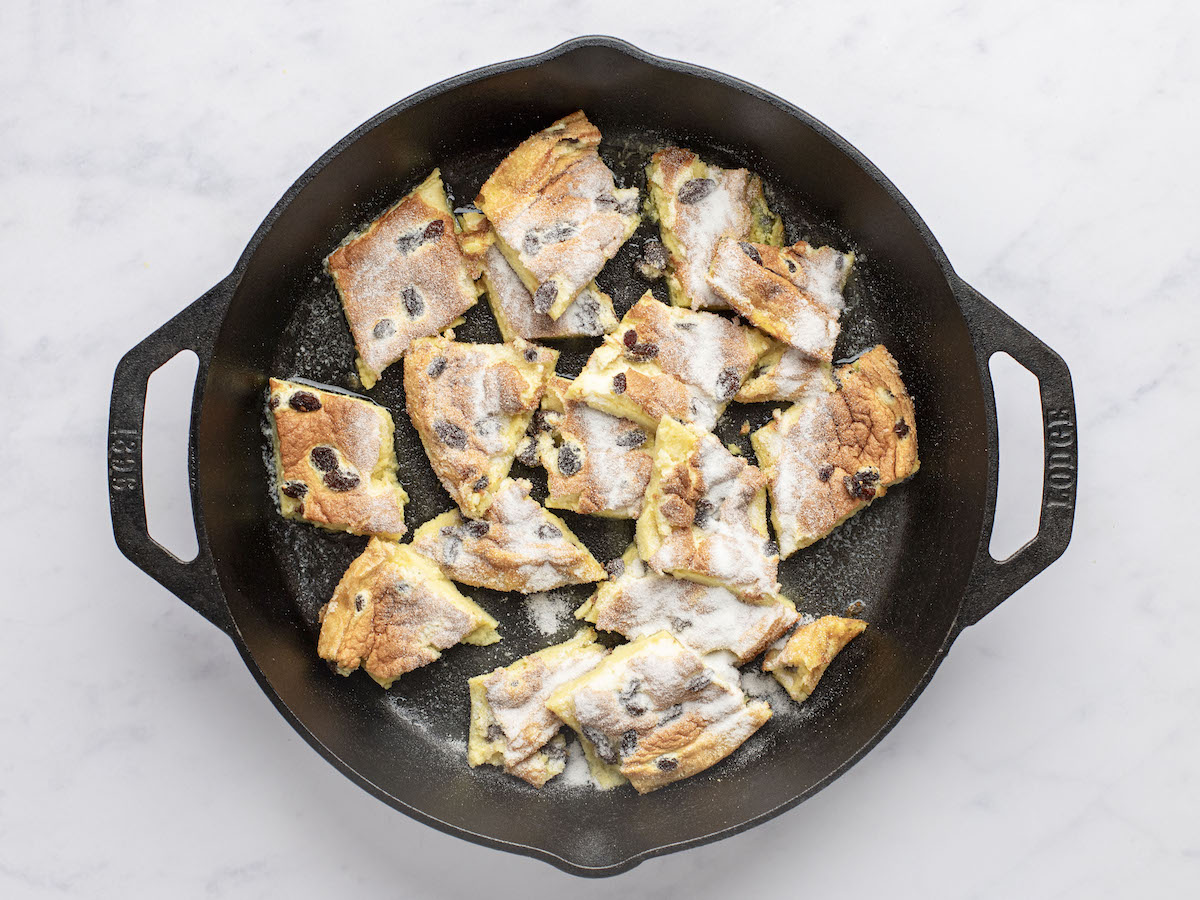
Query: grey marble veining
{"type": "Point", "coordinates": [1052, 149]}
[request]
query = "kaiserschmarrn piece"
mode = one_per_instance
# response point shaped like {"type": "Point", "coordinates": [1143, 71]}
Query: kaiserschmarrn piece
{"type": "Point", "coordinates": [335, 460]}
{"type": "Point", "coordinates": [557, 212]}
{"type": "Point", "coordinates": [668, 361]}
{"type": "Point", "coordinates": [705, 515]}
{"type": "Point", "coordinates": [784, 373]}
{"type": "Point", "coordinates": [393, 612]}
{"type": "Point", "coordinates": [832, 453]}
{"type": "Point", "coordinates": [589, 315]}
{"type": "Point", "coordinates": [799, 664]}
{"type": "Point", "coordinates": [654, 712]}
{"type": "Point", "coordinates": [516, 546]}
{"type": "Point", "coordinates": [471, 405]}
{"type": "Point", "coordinates": [695, 205]}
{"type": "Point", "coordinates": [510, 724]}
{"type": "Point", "coordinates": [402, 277]}
{"type": "Point", "coordinates": [595, 463]}
{"type": "Point", "coordinates": [793, 294]}
{"type": "Point", "coordinates": [637, 601]}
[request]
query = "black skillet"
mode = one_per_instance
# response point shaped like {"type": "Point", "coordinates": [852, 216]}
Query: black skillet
{"type": "Point", "coordinates": [918, 560]}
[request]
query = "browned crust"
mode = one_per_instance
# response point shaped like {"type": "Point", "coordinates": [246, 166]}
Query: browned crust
{"type": "Point", "coordinates": [510, 379]}
{"type": "Point", "coordinates": [372, 273]}
{"type": "Point", "coordinates": [356, 429]}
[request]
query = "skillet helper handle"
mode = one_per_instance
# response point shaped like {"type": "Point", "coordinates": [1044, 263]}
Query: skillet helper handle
{"type": "Point", "coordinates": [195, 328]}
{"type": "Point", "coordinates": [993, 331]}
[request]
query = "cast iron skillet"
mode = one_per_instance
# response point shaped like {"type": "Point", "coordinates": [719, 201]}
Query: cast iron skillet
{"type": "Point", "coordinates": [918, 560]}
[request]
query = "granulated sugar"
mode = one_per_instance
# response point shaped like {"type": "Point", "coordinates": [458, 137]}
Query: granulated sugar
{"type": "Point", "coordinates": [577, 774]}
{"type": "Point", "coordinates": [548, 611]}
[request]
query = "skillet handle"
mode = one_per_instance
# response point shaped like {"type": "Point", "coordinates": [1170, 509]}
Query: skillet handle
{"type": "Point", "coordinates": [993, 331]}
{"type": "Point", "coordinates": [195, 328]}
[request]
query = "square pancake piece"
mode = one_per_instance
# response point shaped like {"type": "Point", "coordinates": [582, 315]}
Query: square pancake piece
{"type": "Point", "coordinates": [402, 277]}
{"type": "Point", "coordinates": [803, 658]}
{"type": "Point", "coordinates": [655, 712]}
{"type": "Point", "coordinates": [590, 314]}
{"type": "Point", "coordinates": [832, 453]}
{"type": "Point", "coordinates": [471, 404]}
{"type": "Point", "coordinates": [695, 205]}
{"type": "Point", "coordinates": [393, 612]}
{"type": "Point", "coordinates": [792, 293]}
{"type": "Point", "coordinates": [705, 515]}
{"type": "Point", "coordinates": [596, 464]}
{"type": "Point", "coordinates": [335, 460]}
{"type": "Point", "coordinates": [515, 546]}
{"type": "Point", "coordinates": [668, 361]}
{"type": "Point", "coordinates": [557, 212]}
{"type": "Point", "coordinates": [510, 724]}
{"type": "Point", "coordinates": [637, 601]}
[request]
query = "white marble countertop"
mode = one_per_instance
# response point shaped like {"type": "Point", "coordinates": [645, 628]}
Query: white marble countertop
{"type": "Point", "coordinates": [1053, 153]}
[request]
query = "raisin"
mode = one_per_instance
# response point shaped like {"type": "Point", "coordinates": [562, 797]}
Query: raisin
{"type": "Point", "coordinates": [294, 489]}
{"type": "Point", "coordinates": [437, 367]}
{"type": "Point", "coordinates": [628, 699]}
{"type": "Point", "coordinates": [825, 472]}
{"type": "Point", "coordinates": [642, 352]}
{"type": "Point", "coordinates": [666, 763]}
{"type": "Point", "coordinates": [699, 682]}
{"type": "Point", "coordinates": [434, 230]}
{"type": "Point", "coordinates": [407, 243]}
{"type": "Point", "coordinates": [413, 303]}
{"type": "Point", "coordinates": [531, 243]}
{"type": "Point", "coordinates": [750, 250]}
{"type": "Point", "coordinates": [340, 481]}
{"type": "Point", "coordinates": [671, 714]}
{"type": "Point", "coordinates": [324, 458]}
{"type": "Point", "coordinates": [531, 354]}
{"type": "Point", "coordinates": [527, 455]}
{"type": "Point", "coordinates": [607, 201]}
{"type": "Point", "coordinates": [451, 544]}
{"type": "Point", "coordinates": [686, 326]}
{"type": "Point", "coordinates": [569, 140]}
{"type": "Point", "coordinates": [696, 190]}
{"type": "Point", "coordinates": [704, 513]}
{"type": "Point", "coordinates": [791, 265]}
{"type": "Point", "coordinates": [273, 403]}
{"type": "Point", "coordinates": [555, 751]}
{"type": "Point", "coordinates": [770, 548]}
{"type": "Point", "coordinates": [630, 338]}
{"type": "Point", "coordinates": [481, 484]}
{"type": "Point", "coordinates": [558, 233]}
{"type": "Point", "coordinates": [451, 435]}
{"type": "Point", "coordinates": [544, 296]}
{"type": "Point", "coordinates": [632, 439]}
{"type": "Point", "coordinates": [901, 429]}
{"type": "Point", "coordinates": [615, 568]}
{"type": "Point", "coordinates": [568, 460]}
{"type": "Point", "coordinates": [384, 328]}
{"type": "Point", "coordinates": [548, 532]}
{"type": "Point", "coordinates": [628, 206]}
{"type": "Point", "coordinates": [538, 423]}
{"type": "Point", "coordinates": [619, 383]}
{"type": "Point", "coordinates": [303, 401]}
{"type": "Point", "coordinates": [861, 485]}
{"type": "Point", "coordinates": [360, 601]}
{"type": "Point", "coordinates": [494, 732]}
{"type": "Point", "coordinates": [839, 262]}
{"type": "Point", "coordinates": [678, 624]}
{"type": "Point", "coordinates": [629, 742]}
{"type": "Point", "coordinates": [476, 528]}
{"type": "Point", "coordinates": [603, 746]}
{"type": "Point", "coordinates": [728, 383]}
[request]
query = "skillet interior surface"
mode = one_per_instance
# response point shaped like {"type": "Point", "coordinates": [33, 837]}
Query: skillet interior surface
{"type": "Point", "coordinates": [907, 558]}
